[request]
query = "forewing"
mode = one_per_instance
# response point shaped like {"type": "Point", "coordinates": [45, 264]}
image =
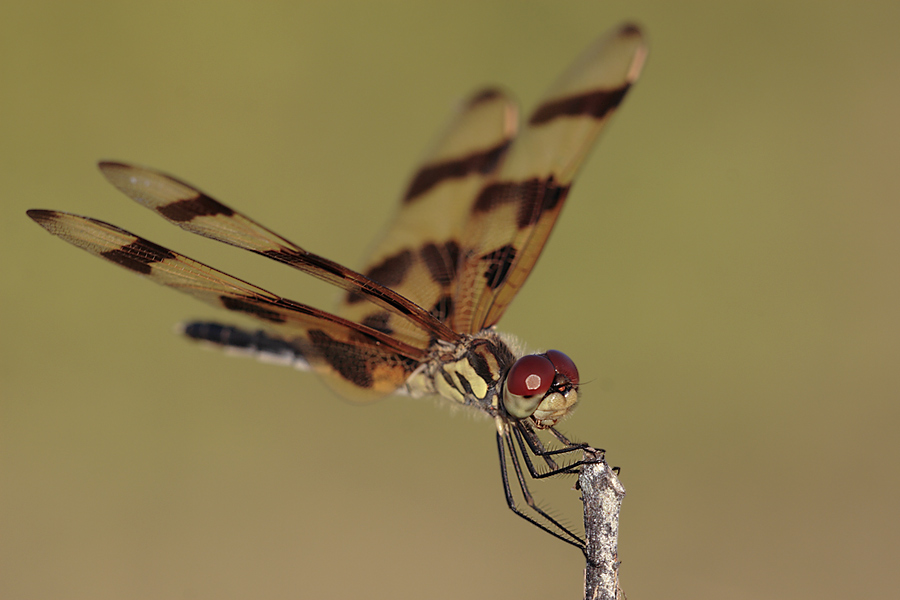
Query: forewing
{"type": "Point", "coordinates": [358, 356]}
{"type": "Point", "coordinates": [187, 207]}
{"type": "Point", "coordinates": [514, 213]}
{"type": "Point", "coordinates": [418, 254]}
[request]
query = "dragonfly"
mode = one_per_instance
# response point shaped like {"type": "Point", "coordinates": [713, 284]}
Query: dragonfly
{"type": "Point", "coordinates": [420, 317]}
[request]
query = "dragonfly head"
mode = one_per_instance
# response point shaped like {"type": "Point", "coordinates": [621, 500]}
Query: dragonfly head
{"type": "Point", "coordinates": [542, 387]}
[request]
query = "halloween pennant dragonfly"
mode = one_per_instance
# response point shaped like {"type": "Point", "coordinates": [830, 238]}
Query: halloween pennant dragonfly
{"type": "Point", "coordinates": [420, 318]}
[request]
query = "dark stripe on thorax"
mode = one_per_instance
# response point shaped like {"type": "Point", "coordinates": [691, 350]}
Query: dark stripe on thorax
{"type": "Point", "coordinates": [480, 366]}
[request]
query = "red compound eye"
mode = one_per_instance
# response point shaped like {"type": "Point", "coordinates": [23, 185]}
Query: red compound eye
{"type": "Point", "coordinates": [563, 365]}
{"type": "Point", "coordinates": [531, 375]}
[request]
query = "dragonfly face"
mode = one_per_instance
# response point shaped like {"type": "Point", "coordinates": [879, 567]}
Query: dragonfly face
{"type": "Point", "coordinates": [419, 318]}
{"type": "Point", "coordinates": [542, 387]}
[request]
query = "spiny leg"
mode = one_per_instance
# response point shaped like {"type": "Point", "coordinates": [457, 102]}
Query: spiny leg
{"type": "Point", "coordinates": [525, 435]}
{"type": "Point", "coordinates": [526, 492]}
{"type": "Point", "coordinates": [566, 442]}
{"type": "Point", "coordinates": [561, 532]}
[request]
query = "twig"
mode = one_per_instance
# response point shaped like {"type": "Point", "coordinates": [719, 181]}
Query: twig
{"type": "Point", "coordinates": [602, 494]}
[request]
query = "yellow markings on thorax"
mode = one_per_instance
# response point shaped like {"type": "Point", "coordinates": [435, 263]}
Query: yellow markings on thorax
{"type": "Point", "coordinates": [444, 388]}
{"type": "Point", "coordinates": [462, 370]}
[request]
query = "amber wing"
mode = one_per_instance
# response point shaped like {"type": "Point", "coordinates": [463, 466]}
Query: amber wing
{"type": "Point", "coordinates": [357, 355]}
{"type": "Point", "coordinates": [513, 213]}
{"type": "Point", "coordinates": [191, 209]}
{"type": "Point", "coordinates": [418, 254]}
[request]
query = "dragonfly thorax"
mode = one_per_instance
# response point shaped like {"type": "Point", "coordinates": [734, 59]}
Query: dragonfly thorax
{"type": "Point", "coordinates": [488, 371]}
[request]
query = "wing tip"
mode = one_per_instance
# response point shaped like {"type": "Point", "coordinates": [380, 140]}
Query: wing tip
{"type": "Point", "coordinates": [109, 165]}
{"type": "Point", "coordinates": [114, 171]}
{"type": "Point", "coordinates": [42, 217]}
{"type": "Point", "coordinates": [632, 33]}
{"type": "Point", "coordinates": [485, 95]}
{"type": "Point", "coordinates": [629, 29]}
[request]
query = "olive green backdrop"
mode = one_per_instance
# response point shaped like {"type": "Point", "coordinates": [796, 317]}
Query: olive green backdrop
{"type": "Point", "coordinates": [726, 275]}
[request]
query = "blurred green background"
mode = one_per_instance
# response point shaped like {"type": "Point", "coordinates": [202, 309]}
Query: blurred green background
{"type": "Point", "coordinates": [726, 275]}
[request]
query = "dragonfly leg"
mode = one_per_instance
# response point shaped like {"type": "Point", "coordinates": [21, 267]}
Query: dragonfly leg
{"type": "Point", "coordinates": [537, 516]}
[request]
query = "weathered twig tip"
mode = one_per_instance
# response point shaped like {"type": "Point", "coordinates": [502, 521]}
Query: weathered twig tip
{"type": "Point", "coordinates": [602, 494]}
